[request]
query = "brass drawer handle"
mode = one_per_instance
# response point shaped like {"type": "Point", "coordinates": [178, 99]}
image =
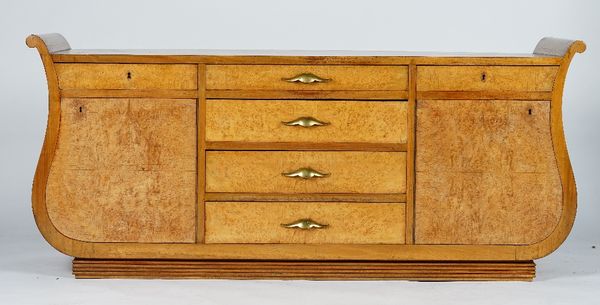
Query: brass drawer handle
{"type": "Point", "coordinates": [306, 78]}
{"type": "Point", "coordinates": [304, 224]}
{"type": "Point", "coordinates": [305, 173]}
{"type": "Point", "coordinates": [305, 121]}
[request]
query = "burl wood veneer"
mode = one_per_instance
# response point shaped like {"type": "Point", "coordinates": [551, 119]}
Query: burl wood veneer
{"type": "Point", "coordinates": [347, 223]}
{"type": "Point", "coordinates": [347, 121]}
{"type": "Point", "coordinates": [347, 172]}
{"type": "Point", "coordinates": [307, 165]}
{"type": "Point", "coordinates": [485, 173]}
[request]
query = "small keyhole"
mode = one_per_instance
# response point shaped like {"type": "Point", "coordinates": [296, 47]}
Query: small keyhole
{"type": "Point", "coordinates": [483, 76]}
{"type": "Point", "coordinates": [529, 111]}
{"type": "Point", "coordinates": [128, 75]}
{"type": "Point", "coordinates": [80, 109]}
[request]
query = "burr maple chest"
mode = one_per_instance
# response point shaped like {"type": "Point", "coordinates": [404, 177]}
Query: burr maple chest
{"type": "Point", "coordinates": [304, 165]}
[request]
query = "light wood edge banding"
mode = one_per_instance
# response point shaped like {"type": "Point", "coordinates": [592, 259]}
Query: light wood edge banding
{"type": "Point", "coordinates": [485, 95]}
{"type": "Point", "coordinates": [410, 155]}
{"type": "Point", "coordinates": [141, 93]}
{"type": "Point", "coordinates": [201, 155]}
{"type": "Point", "coordinates": [83, 249]}
{"type": "Point", "coordinates": [374, 198]}
{"type": "Point", "coordinates": [332, 146]}
{"type": "Point", "coordinates": [308, 94]}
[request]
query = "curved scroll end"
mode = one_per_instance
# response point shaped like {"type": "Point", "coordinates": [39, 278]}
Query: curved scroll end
{"type": "Point", "coordinates": [48, 43]}
{"type": "Point", "coordinates": [559, 47]}
{"type": "Point", "coordinates": [565, 49]}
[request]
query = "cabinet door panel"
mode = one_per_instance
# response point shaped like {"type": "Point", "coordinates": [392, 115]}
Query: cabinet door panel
{"type": "Point", "coordinates": [125, 170]}
{"type": "Point", "coordinates": [486, 173]}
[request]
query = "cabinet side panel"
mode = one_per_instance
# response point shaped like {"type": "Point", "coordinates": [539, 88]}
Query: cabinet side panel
{"type": "Point", "coordinates": [125, 171]}
{"type": "Point", "coordinates": [486, 173]}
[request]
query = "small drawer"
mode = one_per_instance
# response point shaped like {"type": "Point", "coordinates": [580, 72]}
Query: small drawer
{"type": "Point", "coordinates": [127, 76]}
{"type": "Point", "coordinates": [294, 172]}
{"type": "Point", "coordinates": [280, 77]}
{"type": "Point", "coordinates": [305, 223]}
{"type": "Point", "coordinates": [483, 78]}
{"type": "Point", "coordinates": [306, 121]}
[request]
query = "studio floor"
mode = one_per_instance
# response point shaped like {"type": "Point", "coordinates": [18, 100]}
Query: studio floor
{"type": "Point", "coordinates": [31, 272]}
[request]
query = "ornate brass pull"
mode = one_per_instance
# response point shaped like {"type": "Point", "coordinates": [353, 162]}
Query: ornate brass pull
{"type": "Point", "coordinates": [305, 121]}
{"type": "Point", "coordinates": [305, 173]}
{"type": "Point", "coordinates": [306, 78]}
{"type": "Point", "coordinates": [304, 224]}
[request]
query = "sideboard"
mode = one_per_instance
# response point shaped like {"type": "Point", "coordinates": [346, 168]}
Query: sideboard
{"type": "Point", "coordinates": [304, 165]}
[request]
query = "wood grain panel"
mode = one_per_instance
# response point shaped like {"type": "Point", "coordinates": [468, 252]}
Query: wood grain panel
{"type": "Point", "coordinates": [348, 223]}
{"type": "Point", "coordinates": [127, 76]}
{"type": "Point", "coordinates": [486, 173]}
{"type": "Point", "coordinates": [269, 77]}
{"type": "Point", "coordinates": [349, 172]}
{"type": "Point", "coordinates": [125, 170]}
{"type": "Point", "coordinates": [485, 78]}
{"type": "Point", "coordinates": [349, 121]}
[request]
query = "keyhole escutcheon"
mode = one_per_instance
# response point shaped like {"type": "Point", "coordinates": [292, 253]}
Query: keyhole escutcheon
{"type": "Point", "coordinates": [128, 74]}
{"type": "Point", "coordinates": [483, 76]}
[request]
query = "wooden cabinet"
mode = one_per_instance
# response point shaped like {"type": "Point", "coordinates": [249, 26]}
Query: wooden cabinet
{"type": "Point", "coordinates": [214, 164]}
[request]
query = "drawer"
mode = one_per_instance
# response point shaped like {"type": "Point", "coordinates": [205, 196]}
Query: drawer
{"type": "Point", "coordinates": [289, 121]}
{"type": "Point", "coordinates": [127, 76]}
{"type": "Point", "coordinates": [284, 222]}
{"type": "Point", "coordinates": [342, 172]}
{"type": "Point", "coordinates": [281, 77]}
{"type": "Point", "coordinates": [482, 78]}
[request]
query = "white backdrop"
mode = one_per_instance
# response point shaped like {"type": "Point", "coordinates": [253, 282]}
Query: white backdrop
{"type": "Point", "coordinates": [473, 26]}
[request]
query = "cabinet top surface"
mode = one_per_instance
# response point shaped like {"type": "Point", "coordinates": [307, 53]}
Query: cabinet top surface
{"type": "Point", "coordinates": [299, 57]}
{"type": "Point", "coordinates": [548, 51]}
{"type": "Point", "coordinates": [293, 53]}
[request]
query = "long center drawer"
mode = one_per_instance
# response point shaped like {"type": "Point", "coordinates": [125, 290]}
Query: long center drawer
{"type": "Point", "coordinates": [306, 121]}
{"type": "Point", "coordinates": [305, 172]}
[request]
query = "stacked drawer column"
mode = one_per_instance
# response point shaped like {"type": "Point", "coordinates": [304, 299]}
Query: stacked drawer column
{"type": "Point", "coordinates": [305, 154]}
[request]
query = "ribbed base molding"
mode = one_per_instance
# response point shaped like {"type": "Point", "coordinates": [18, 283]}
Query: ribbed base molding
{"type": "Point", "coordinates": [304, 270]}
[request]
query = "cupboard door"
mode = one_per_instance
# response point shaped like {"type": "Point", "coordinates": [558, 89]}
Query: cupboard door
{"type": "Point", "coordinates": [125, 170]}
{"type": "Point", "coordinates": [485, 173]}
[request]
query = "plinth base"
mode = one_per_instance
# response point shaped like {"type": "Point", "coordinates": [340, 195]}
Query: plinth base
{"type": "Point", "coordinates": [304, 270]}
